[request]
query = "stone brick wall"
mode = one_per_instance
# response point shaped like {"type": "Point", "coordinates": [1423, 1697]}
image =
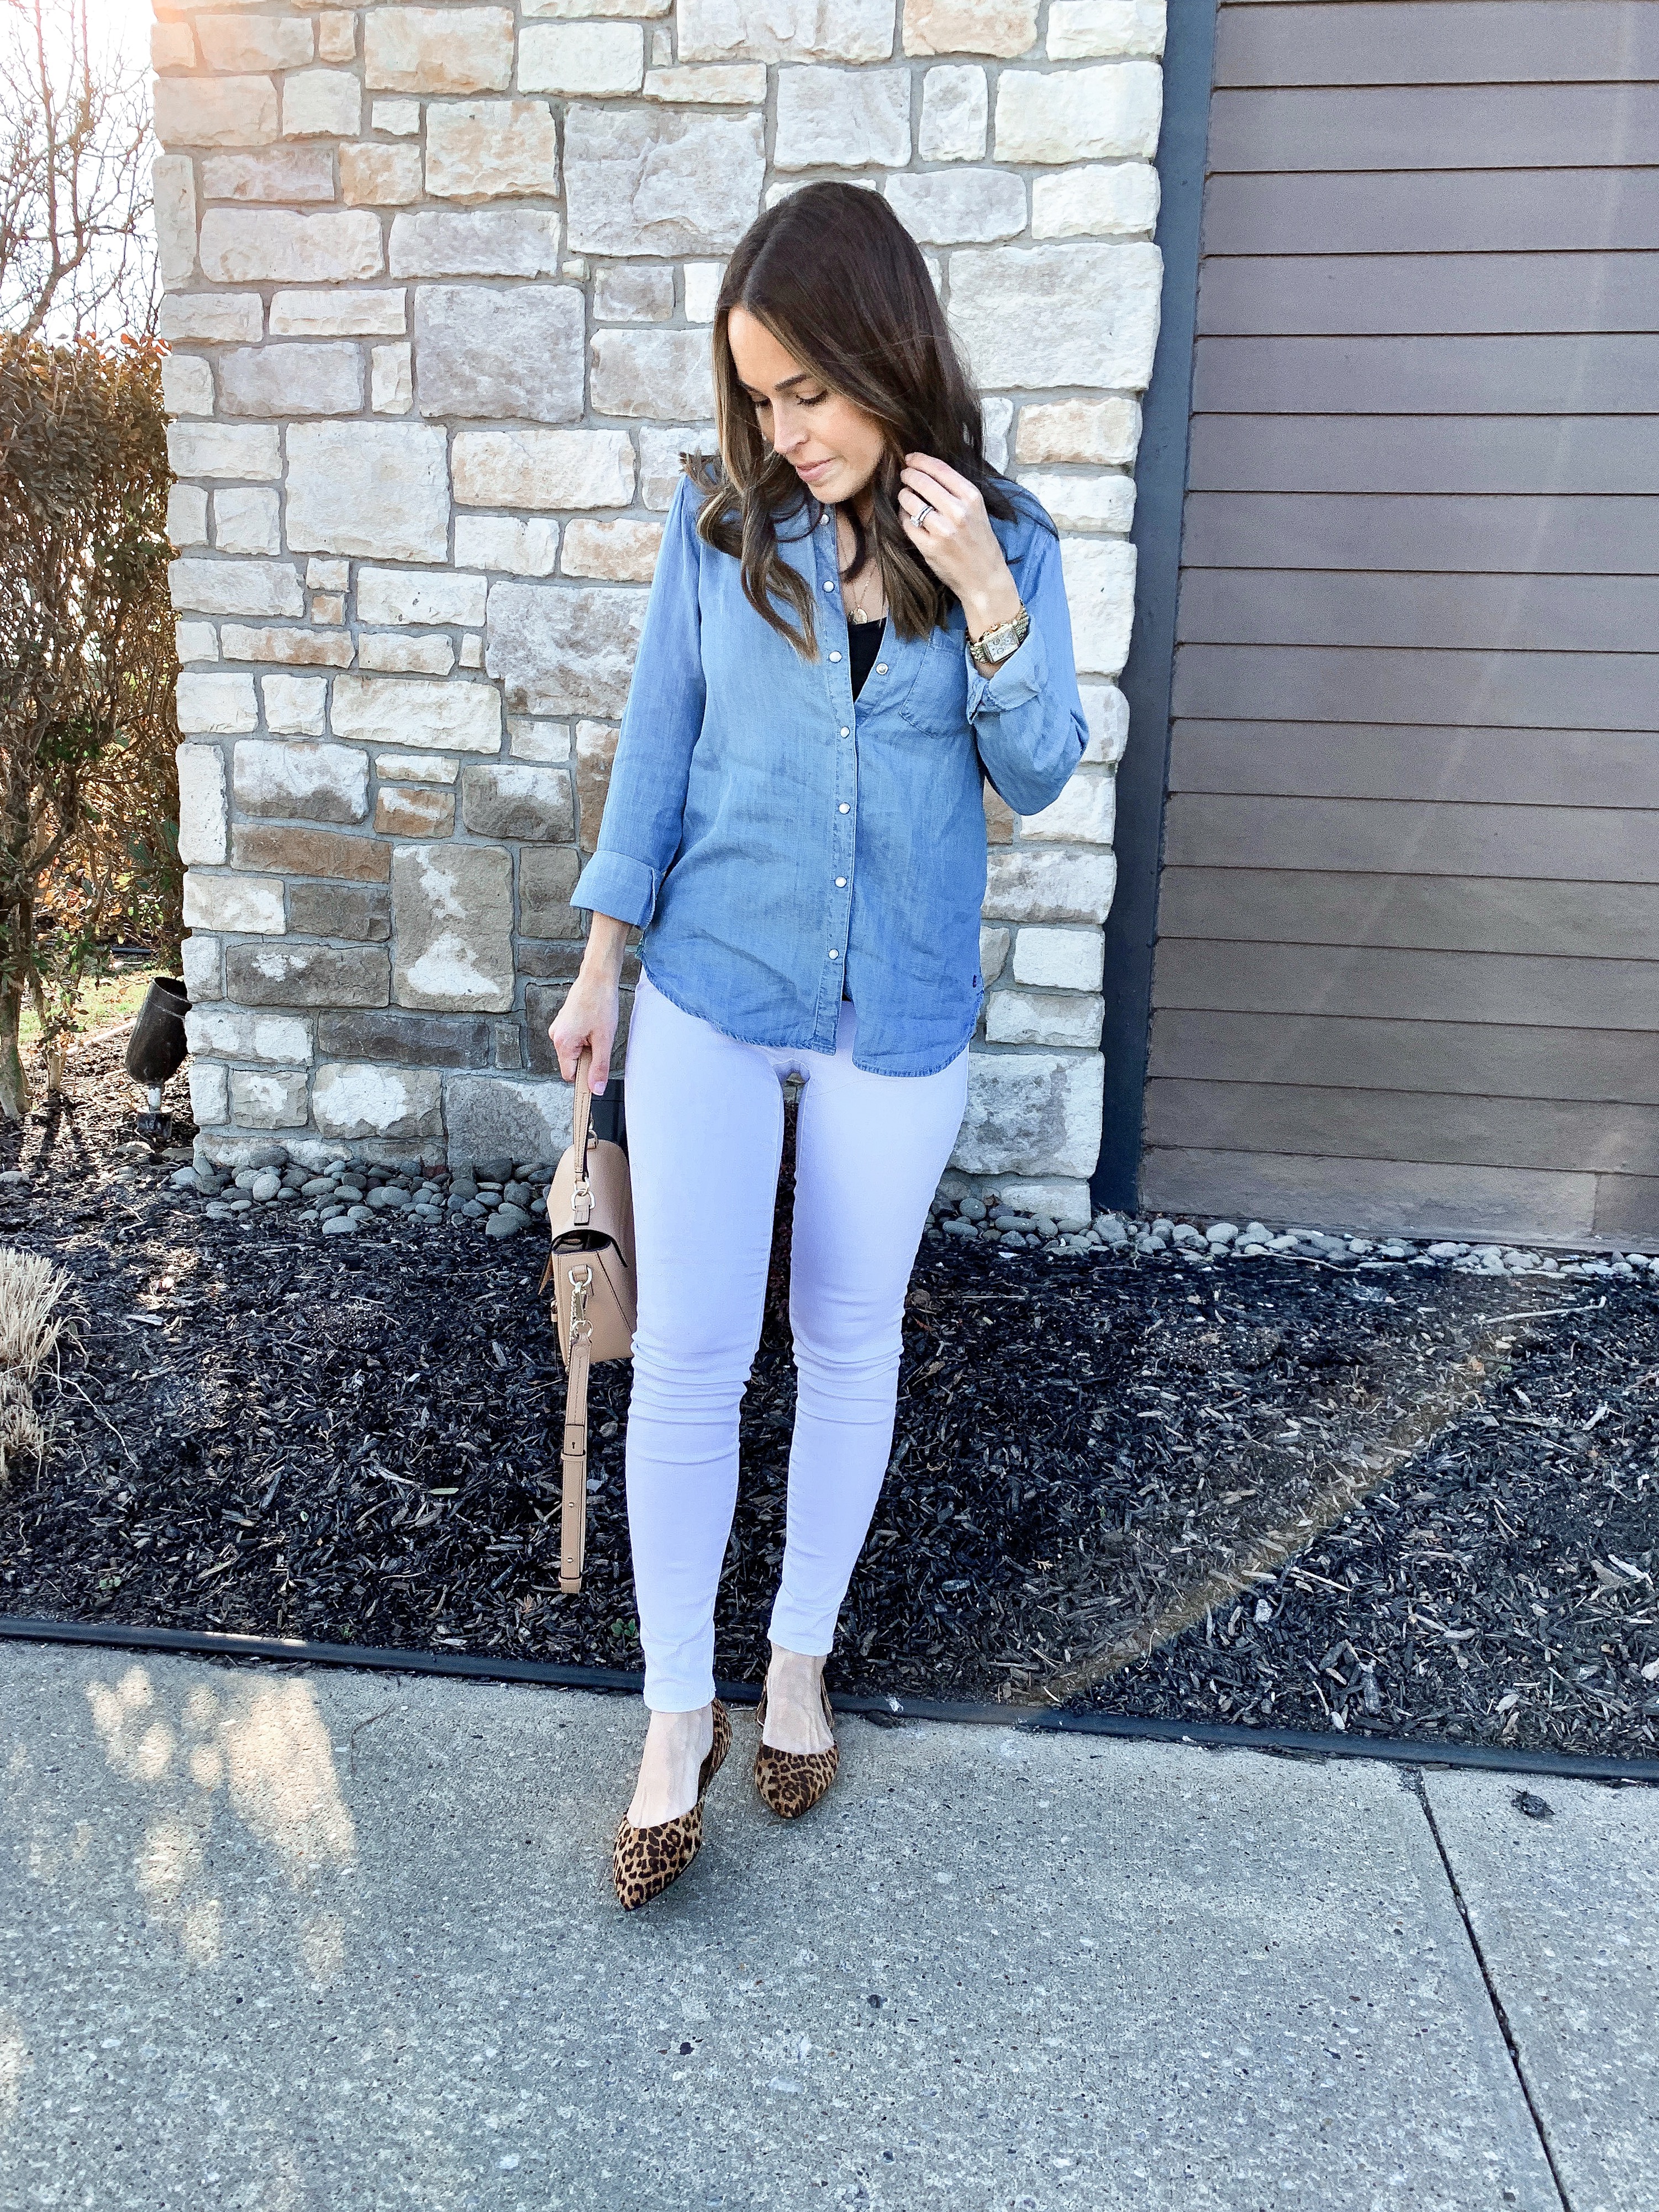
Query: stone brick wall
{"type": "Point", "coordinates": [440, 280]}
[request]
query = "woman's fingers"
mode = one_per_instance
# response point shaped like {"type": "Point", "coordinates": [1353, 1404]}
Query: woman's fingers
{"type": "Point", "coordinates": [941, 473]}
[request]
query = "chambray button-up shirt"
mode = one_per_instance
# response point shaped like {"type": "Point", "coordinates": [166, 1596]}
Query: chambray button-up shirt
{"type": "Point", "coordinates": [774, 836]}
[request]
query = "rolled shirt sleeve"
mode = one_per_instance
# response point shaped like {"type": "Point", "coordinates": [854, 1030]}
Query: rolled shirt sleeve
{"type": "Point", "coordinates": [1027, 718]}
{"type": "Point", "coordinates": [645, 806]}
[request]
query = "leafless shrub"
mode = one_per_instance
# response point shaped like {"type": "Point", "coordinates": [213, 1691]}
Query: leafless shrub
{"type": "Point", "coordinates": [33, 1323]}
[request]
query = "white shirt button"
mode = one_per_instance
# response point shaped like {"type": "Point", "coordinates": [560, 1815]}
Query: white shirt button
{"type": "Point", "coordinates": [841, 883]}
{"type": "Point", "coordinates": [845, 732]}
{"type": "Point", "coordinates": [828, 583]}
{"type": "Point", "coordinates": [844, 807]}
{"type": "Point", "coordinates": [833, 955]}
{"type": "Point", "coordinates": [881, 668]}
{"type": "Point", "coordinates": [835, 656]}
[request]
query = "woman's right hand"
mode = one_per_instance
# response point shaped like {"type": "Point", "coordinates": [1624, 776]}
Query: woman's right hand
{"type": "Point", "coordinates": [588, 1020]}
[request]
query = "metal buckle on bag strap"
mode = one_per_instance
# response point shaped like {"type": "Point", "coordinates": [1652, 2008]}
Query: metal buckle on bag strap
{"type": "Point", "coordinates": [581, 1202]}
{"type": "Point", "coordinates": [580, 1281]}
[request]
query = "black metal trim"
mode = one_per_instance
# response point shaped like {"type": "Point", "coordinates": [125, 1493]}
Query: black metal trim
{"type": "Point", "coordinates": [1039, 1720]}
{"type": "Point", "coordinates": [1160, 498]}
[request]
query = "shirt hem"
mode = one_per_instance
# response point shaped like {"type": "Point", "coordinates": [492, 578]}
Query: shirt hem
{"type": "Point", "coordinates": [775, 1044]}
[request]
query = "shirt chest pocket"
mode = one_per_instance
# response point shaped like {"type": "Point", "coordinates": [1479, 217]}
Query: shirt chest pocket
{"type": "Point", "coordinates": [936, 699]}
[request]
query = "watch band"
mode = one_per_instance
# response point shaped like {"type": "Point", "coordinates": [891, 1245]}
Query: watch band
{"type": "Point", "coordinates": [1006, 638]}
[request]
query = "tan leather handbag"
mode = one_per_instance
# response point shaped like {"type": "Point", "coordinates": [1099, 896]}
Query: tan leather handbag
{"type": "Point", "coordinates": [590, 1214]}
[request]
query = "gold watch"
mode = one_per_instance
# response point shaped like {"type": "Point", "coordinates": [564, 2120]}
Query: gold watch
{"type": "Point", "coordinates": [1006, 638]}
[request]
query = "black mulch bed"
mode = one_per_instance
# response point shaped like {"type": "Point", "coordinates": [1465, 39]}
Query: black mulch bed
{"type": "Point", "coordinates": [1369, 1498]}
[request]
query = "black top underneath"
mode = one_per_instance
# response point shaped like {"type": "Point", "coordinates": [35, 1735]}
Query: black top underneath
{"type": "Point", "coordinates": [864, 643]}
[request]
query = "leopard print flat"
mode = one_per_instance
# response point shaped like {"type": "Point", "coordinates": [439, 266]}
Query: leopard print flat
{"type": "Point", "coordinates": [644, 1861]}
{"type": "Point", "coordinates": [792, 1782]}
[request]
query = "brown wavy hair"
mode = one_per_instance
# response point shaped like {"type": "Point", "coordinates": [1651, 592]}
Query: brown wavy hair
{"type": "Point", "coordinates": [835, 277]}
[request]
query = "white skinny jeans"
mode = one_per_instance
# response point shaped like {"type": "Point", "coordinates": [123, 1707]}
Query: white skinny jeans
{"type": "Point", "coordinates": [705, 1136]}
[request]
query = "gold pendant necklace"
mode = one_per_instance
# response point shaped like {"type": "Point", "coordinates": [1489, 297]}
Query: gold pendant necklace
{"type": "Point", "coordinates": [857, 604]}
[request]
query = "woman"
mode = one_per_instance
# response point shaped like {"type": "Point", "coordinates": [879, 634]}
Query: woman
{"type": "Point", "coordinates": [808, 872]}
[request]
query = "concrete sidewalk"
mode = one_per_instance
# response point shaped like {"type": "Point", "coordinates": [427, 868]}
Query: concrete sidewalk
{"type": "Point", "coordinates": [303, 1942]}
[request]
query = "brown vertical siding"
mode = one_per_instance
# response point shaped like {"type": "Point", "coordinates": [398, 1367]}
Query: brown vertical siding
{"type": "Point", "coordinates": [1407, 968]}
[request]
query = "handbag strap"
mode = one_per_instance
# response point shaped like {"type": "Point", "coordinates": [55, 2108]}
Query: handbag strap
{"type": "Point", "coordinates": [581, 1129]}
{"type": "Point", "coordinates": [573, 1512]}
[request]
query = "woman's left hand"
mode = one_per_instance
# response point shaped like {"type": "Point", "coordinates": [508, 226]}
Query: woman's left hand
{"type": "Point", "coordinates": [945, 520]}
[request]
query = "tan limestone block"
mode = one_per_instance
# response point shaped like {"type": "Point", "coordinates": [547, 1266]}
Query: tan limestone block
{"type": "Point", "coordinates": [1079, 115]}
{"type": "Point", "coordinates": [338, 314]}
{"type": "Point", "coordinates": [322, 103]}
{"type": "Point", "coordinates": [667, 182]}
{"type": "Point", "coordinates": [1100, 590]}
{"type": "Point", "coordinates": [453, 717]}
{"type": "Point", "coordinates": [547, 875]}
{"type": "Point", "coordinates": [946, 206]}
{"type": "Point", "coordinates": [395, 654]}
{"type": "Point", "coordinates": [408, 811]}
{"type": "Point", "coordinates": [242, 903]}
{"type": "Point", "coordinates": [242, 246]}
{"type": "Point", "coordinates": [399, 119]}
{"type": "Point", "coordinates": [471, 652]}
{"type": "Point", "coordinates": [1085, 502]}
{"type": "Point", "coordinates": [372, 175]}
{"type": "Point", "coordinates": [1000, 819]}
{"type": "Point", "coordinates": [259, 1100]}
{"type": "Point", "coordinates": [215, 705]}
{"type": "Point", "coordinates": [354, 1099]}
{"type": "Point", "coordinates": [651, 374]}
{"type": "Point", "coordinates": [278, 173]}
{"type": "Point", "coordinates": [195, 641]}
{"type": "Point", "coordinates": [581, 60]}
{"type": "Point", "coordinates": [429, 600]}
{"type": "Point", "coordinates": [555, 468]}
{"type": "Point", "coordinates": [452, 914]}
{"type": "Point", "coordinates": [204, 818]}
{"type": "Point", "coordinates": [1078, 29]}
{"type": "Point", "coordinates": [291, 379]}
{"type": "Point", "coordinates": [187, 385]}
{"type": "Point", "coordinates": [1104, 431]}
{"type": "Point", "coordinates": [514, 800]}
{"type": "Point", "coordinates": [538, 741]}
{"type": "Point", "coordinates": [336, 35]}
{"type": "Point", "coordinates": [375, 489]}
{"type": "Point", "coordinates": [172, 46]}
{"type": "Point", "coordinates": [506, 544]}
{"type": "Point", "coordinates": [482, 242]}
{"type": "Point", "coordinates": [295, 705]}
{"type": "Point", "coordinates": [187, 515]}
{"type": "Point", "coordinates": [173, 202]}
{"type": "Point", "coordinates": [993, 951]}
{"type": "Point", "coordinates": [1044, 1018]}
{"type": "Point", "coordinates": [702, 281]}
{"type": "Point", "coordinates": [786, 30]}
{"type": "Point", "coordinates": [955, 114]}
{"type": "Point", "coordinates": [227, 111]}
{"type": "Point", "coordinates": [633, 293]}
{"type": "Point", "coordinates": [491, 353]}
{"type": "Point", "coordinates": [414, 767]}
{"type": "Point", "coordinates": [249, 43]}
{"type": "Point", "coordinates": [572, 11]}
{"type": "Point", "coordinates": [212, 318]}
{"type": "Point", "coordinates": [1060, 959]}
{"type": "Point", "coordinates": [247, 451]}
{"type": "Point", "coordinates": [564, 648]}
{"type": "Point", "coordinates": [236, 587]}
{"type": "Point", "coordinates": [328, 606]}
{"type": "Point", "coordinates": [290, 649]}
{"type": "Point", "coordinates": [247, 519]}
{"type": "Point", "coordinates": [712, 85]}
{"type": "Point", "coordinates": [1066, 315]}
{"type": "Point", "coordinates": [1101, 201]}
{"type": "Point", "coordinates": [453, 49]}
{"type": "Point", "coordinates": [283, 779]}
{"type": "Point", "coordinates": [391, 379]}
{"type": "Point", "coordinates": [842, 119]}
{"type": "Point", "coordinates": [660, 465]}
{"type": "Point", "coordinates": [1038, 883]}
{"type": "Point", "coordinates": [492, 149]}
{"type": "Point", "coordinates": [596, 756]}
{"type": "Point", "coordinates": [1083, 813]}
{"type": "Point", "coordinates": [1031, 1113]}
{"type": "Point", "coordinates": [617, 552]}
{"type": "Point", "coordinates": [1000, 27]}
{"type": "Point", "coordinates": [290, 851]}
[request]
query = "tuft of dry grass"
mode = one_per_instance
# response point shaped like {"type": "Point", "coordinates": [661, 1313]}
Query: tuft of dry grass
{"type": "Point", "coordinates": [33, 1324]}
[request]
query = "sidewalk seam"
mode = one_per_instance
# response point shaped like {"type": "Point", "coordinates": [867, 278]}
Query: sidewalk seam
{"type": "Point", "coordinates": [1414, 1782]}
